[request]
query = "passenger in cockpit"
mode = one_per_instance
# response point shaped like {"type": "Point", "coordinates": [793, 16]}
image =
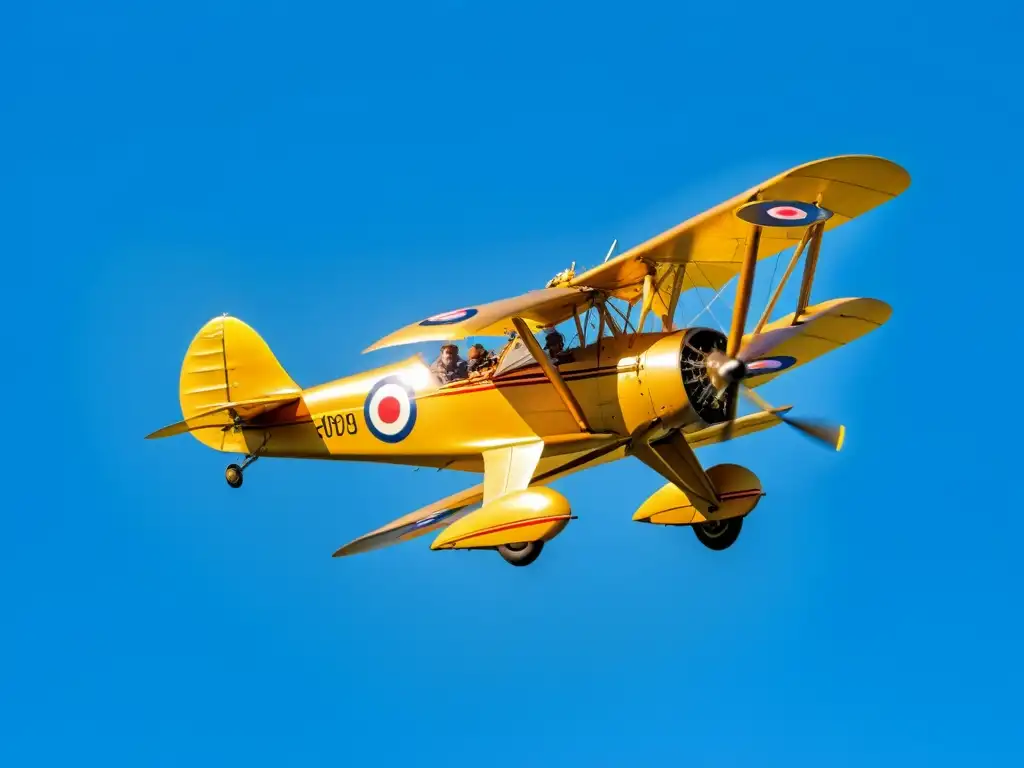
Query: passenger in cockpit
{"type": "Point", "coordinates": [449, 367]}
{"type": "Point", "coordinates": [479, 358]}
{"type": "Point", "coordinates": [554, 344]}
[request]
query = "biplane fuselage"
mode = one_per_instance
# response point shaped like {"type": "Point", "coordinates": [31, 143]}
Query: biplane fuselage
{"type": "Point", "coordinates": [526, 420]}
{"type": "Point", "coordinates": [621, 383]}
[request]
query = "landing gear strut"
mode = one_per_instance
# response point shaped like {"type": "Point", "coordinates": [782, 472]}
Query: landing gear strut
{"type": "Point", "coordinates": [233, 474]}
{"type": "Point", "coordinates": [719, 534]}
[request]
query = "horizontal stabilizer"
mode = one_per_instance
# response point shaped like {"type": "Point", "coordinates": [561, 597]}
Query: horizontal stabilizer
{"type": "Point", "coordinates": [177, 428]}
{"type": "Point", "coordinates": [243, 409]}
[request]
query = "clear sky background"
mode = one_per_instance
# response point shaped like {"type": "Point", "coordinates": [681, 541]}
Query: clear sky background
{"type": "Point", "coordinates": [329, 173]}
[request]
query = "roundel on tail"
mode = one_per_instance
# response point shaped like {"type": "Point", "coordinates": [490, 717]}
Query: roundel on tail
{"type": "Point", "coordinates": [782, 213]}
{"type": "Point", "coordinates": [390, 410]}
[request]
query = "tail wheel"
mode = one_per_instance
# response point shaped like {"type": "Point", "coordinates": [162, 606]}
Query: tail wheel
{"type": "Point", "coordinates": [522, 553]}
{"type": "Point", "coordinates": [719, 534]}
{"type": "Point", "coordinates": [233, 474]}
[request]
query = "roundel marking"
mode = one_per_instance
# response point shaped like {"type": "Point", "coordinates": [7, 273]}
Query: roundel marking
{"type": "Point", "coordinates": [390, 410]}
{"type": "Point", "coordinates": [448, 318]}
{"type": "Point", "coordinates": [770, 365]}
{"type": "Point", "coordinates": [786, 212]}
{"type": "Point", "coordinates": [782, 213]}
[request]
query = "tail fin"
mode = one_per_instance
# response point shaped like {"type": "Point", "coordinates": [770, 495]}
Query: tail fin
{"type": "Point", "coordinates": [228, 372]}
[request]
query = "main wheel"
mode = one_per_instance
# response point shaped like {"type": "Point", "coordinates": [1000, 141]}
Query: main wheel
{"type": "Point", "coordinates": [719, 534]}
{"type": "Point", "coordinates": [233, 474]}
{"type": "Point", "coordinates": [522, 553]}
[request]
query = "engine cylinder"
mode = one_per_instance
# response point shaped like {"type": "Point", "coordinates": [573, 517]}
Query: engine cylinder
{"type": "Point", "coordinates": [672, 372]}
{"type": "Point", "coordinates": [698, 343]}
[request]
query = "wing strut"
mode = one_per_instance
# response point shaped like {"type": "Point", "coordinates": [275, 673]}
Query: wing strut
{"type": "Point", "coordinates": [782, 283]}
{"type": "Point", "coordinates": [743, 290]}
{"type": "Point", "coordinates": [552, 373]}
{"type": "Point", "coordinates": [809, 266]}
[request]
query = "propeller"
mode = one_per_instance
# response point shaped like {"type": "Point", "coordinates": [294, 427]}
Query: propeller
{"type": "Point", "coordinates": [727, 373]}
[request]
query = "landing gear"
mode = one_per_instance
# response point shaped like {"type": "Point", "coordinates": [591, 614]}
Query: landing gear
{"type": "Point", "coordinates": [233, 474]}
{"type": "Point", "coordinates": [522, 553]}
{"type": "Point", "coordinates": [719, 534]}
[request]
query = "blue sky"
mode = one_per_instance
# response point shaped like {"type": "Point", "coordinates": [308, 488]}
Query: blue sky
{"type": "Point", "coordinates": [329, 174]}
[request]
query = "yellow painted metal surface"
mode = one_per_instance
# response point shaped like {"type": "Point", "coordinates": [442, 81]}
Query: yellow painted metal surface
{"type": "Point", "coordinates": [620, 383]}
{"type": "Point", "coordinates": [737, 487]}
{"type": "Point", "coordinates": [623, 394]}
{"type": "Point", "coordinates": [548, 306]}
{"type": "Point", "coordinates": [534, 514]}
{"type": "Point", "coordinates": [826, 326]}
{"type": "Point", "coordinates": [707, 250]}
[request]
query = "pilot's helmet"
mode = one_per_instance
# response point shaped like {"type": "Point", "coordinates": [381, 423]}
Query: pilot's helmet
{"type": "Point", "coordinates": [553, 336]}
{"type": "Point", "coordinates": [450, 347]}
{"type": "Point", "coordinates": [477, 350]}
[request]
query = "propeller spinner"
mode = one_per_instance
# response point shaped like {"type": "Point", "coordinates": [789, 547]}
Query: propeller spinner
{"type": "Point", "coordinates": [727, 374]}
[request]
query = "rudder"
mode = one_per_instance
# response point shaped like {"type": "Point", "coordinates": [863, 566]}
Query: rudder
{"type": "Point", "coordinates": [229, 371]}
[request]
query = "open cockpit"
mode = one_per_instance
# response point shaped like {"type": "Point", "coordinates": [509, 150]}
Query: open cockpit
{"type": "Point", "coordinates": [456, 364]}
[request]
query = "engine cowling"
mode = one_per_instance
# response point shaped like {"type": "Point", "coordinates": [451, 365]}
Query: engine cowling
{"type": "Point", "coordinates": [673, 376]}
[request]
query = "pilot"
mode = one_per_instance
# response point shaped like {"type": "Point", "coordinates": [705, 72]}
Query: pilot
{"type": "Point", "coordinates": [449, 366]}
{"type": "Point", "coordinates": [554, 344]}
{"type": "Point", "coordinates": [479, 358]}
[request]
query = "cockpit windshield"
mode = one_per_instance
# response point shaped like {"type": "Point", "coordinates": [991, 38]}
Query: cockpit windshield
{"type": "Point", "coordinates": [475, 360]}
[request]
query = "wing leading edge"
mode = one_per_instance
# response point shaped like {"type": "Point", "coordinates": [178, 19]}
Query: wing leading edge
{"type": "Point", "coordinates": [540, 308]}
{"type": "Point", "coordinates": [706, 251]}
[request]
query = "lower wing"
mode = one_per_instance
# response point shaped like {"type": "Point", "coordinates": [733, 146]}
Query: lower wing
{"type": "Point", "coordinates": [549, 468]}
{"type": "Point", "coordinates": [823, 328]}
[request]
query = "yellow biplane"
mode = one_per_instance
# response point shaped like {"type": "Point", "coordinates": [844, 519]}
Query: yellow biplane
{"type": "Point", "coordinates": [527, 415]}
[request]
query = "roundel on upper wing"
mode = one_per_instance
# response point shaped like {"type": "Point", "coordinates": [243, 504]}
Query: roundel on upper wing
{"type": "Point", "coordinates": [390, 410]}
{"type": "Point", "coordinates": [782, 213]}
{"type": "Point", "coordinates": [448, 318]}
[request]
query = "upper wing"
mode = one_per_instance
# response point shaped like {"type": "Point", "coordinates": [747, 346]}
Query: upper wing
{"type": "Point", "coordinates": [547, 306]}
{"type": "Point", "coordinates": [707, 250]}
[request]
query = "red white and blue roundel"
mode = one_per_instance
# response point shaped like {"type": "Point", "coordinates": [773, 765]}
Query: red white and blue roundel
{"type": "Point", "coordinates": [770, 365]}
{"type": "Point", "coordinates": [448, 318]}
{"type": "Point", "coordinates": [782, 213]}
{"type": "Point", "coordinates": [390, 410]}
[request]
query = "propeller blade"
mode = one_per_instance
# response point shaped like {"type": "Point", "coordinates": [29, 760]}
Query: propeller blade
{"type": "Point", "coordinates": [731, 404]}
{"type": "Point", "coordinates": [831, 435]}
